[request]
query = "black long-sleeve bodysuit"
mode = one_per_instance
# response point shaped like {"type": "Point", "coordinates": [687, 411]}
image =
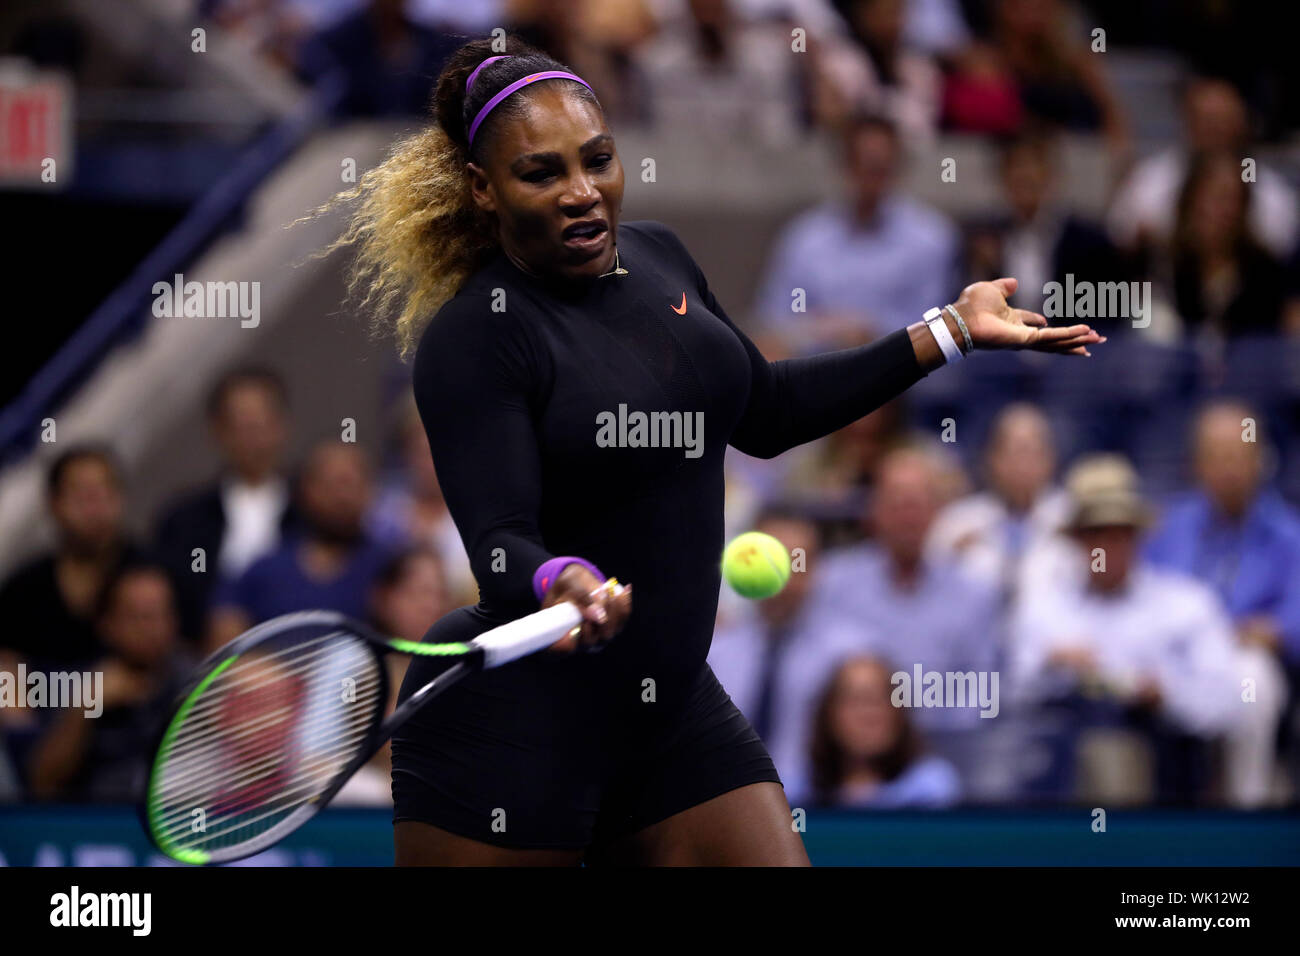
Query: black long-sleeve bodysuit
{"type": "Point", "coordinates": [511, 379]}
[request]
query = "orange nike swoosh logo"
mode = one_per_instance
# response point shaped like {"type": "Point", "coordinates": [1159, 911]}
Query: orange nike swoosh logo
{"type": "Point", "coordinates": [682, 310]}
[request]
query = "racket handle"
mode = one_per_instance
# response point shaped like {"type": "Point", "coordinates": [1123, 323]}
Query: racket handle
{"type": "Point", "coordinates": [527, 634]}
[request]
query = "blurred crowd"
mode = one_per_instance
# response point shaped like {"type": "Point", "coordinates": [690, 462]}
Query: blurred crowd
{"type": "Point", "coordinates": [1131, 651]}
{"type": "Point", "coordinates": [337, 531]}
{"type": "Point", "coordinates": [970, 66]}
{"type": "Point", "coordinates": [1112, 545]}
{"type": "Point", "coordinates": [1118, 648]}
{"type": "Point", "coordinates": [1112, 538]}
{"type": "Point", "coordinates": [1193, 261]}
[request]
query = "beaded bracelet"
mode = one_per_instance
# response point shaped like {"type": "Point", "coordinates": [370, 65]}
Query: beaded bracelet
{"type": "Point", "coordinates": [961, 324]}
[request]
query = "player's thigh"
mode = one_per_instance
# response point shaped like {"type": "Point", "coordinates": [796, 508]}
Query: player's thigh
{"type": "Point", "coordinates": [748, 826]}
{"type": "Point", "coordinates": [423, 844]}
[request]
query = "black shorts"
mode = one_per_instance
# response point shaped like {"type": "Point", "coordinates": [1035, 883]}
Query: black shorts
{"type": "Point", "coordinates": [534, 756]}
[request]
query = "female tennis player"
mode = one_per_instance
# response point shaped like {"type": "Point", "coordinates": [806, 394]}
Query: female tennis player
{"type": "Point", "coordinates": [556, 326]}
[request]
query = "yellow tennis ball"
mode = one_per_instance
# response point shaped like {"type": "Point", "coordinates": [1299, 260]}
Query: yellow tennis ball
{"type": "Point", "coordinates": [756, 565]}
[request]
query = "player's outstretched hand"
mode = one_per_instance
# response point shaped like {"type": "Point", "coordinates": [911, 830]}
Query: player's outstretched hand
{"type": "Point", "coordinates": [993, 324]}
{"type": "Point", "coordinates": [605, 607]}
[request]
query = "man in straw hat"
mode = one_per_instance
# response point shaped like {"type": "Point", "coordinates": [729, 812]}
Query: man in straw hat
{"type": "Point", "coordinates": [1152, 647]}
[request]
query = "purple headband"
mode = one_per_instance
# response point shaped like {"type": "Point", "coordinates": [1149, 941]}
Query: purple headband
{"type": "Point", "coordinates": [518, 84]}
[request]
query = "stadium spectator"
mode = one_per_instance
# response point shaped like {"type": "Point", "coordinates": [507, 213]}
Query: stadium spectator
{"type": "Point", "coordinates": [720, 75]}
{"type": "Point", "coordinates": [457, 16]}
{"type": "Point", "coordinates": [599, 39]}
{"type": "Point", "coordinates": [914, 609]}
{"type": "Point", "coordinates": [48, 604]}
{"type": "Point", "coordinates": [103, 757]}
{"type": "Point", "coordinates": [1225, 284]}
{"type": "Point", "coordinates": [836, 474]}
{"type": "Point", "coordinates": [1144, 211]}
{"type": "Point", "coordinates": [242, 515]}
{"type": "Point", "coordinates": [1049, 52]}
{"type": "Point", "coordinates": [270, 28]}
{"type": "Point", "coordinates": [844, 273]}
{"type": "Point", "coordinates": [875, 71]}
{"type": "Point", "coordinates": [980, 93]}
{"type": "Point", "coordinates": [1146, 652]}
{"type": "Point", "coordinates": [867, 752]}
{"type": "Point", "coordinates": [409, 595]}
{"type": "Point", "coordinates": [1008, 535]}
{"type": "Point", "coordinates": [1240, 537]}
{"type": "Point", "coordinates": [410, 508]}
{"type": "Point", "coordinates": [936, 27]}
{"type": "Point", "coordinates": [1038, 240]}
{"type": "Point", "coordinates": [331, 562]}
{"type": "Point", "coordinates": [1235, 532]}
{"type": "Point", "coordinates": [776, 656]}
{"type": "Point", "coordinates": [1230, 41]}
{"type": "Point", "coordinates": [386, 60]}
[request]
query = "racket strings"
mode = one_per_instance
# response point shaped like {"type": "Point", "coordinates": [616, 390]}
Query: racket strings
{"type": "Point", "coordinates": [237, 803]}
{"type": "Point", "coordinates": [237, 775]}
{"type": "Point", "coordinates": [303, 656]}
{"type": "Point", "coordinates": [238, 744]}
{"type": "Point", "coordinates": [202, 721]}
{"type": "Point", "coordinates": [275, 808]}
{"type": "Point", "coordinates": [264, 738]}
{"type": "Point", "coordinates": [205, 712]}
{"type": "Point", "coordinates": [196, 771]}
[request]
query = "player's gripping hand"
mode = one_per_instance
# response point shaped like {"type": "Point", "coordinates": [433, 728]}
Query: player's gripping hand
{"type": "Point", "coordinates": [605, 607]}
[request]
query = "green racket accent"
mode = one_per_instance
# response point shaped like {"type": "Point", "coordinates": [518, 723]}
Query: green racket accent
{"type": "Point", "coordinates": [167, 846]}
{"type": "Point", "coordinates": [429, 650]}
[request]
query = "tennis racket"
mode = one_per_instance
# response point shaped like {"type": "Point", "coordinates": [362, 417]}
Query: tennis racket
{"type": "Point", "coordinates": [275, 722]}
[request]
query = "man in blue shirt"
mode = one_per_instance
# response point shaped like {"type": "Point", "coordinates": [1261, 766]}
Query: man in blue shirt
{"type": "Point", "coordinates": [331, 564]}
{"type": "Point", "coordinates": [1239, 536]}
{"type": "Point", "coordinates": [1236, 534]}
{"type": "Point", "coordinates": [867, 266]}
{"type": "Point", "coordinates": [915, 608]}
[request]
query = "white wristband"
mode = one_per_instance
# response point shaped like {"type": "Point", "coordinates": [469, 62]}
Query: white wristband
{"type": "Point", "coordinates": [939, 329]}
